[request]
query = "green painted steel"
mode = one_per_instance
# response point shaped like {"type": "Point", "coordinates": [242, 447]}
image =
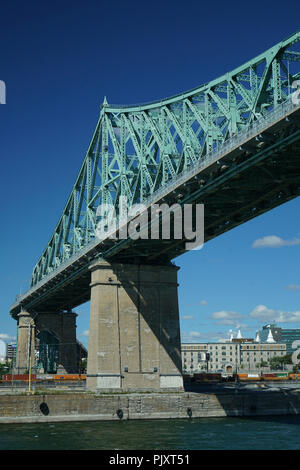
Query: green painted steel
{"type": "Point", "coordinates": [135, 150]}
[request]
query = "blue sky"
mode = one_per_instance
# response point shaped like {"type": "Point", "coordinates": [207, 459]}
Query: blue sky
{"type": "Point", "coordinates": [58, 60]}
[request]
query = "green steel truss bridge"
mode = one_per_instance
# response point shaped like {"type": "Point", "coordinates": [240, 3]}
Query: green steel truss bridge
{"type": "Point", "coordinates": [232, 144]}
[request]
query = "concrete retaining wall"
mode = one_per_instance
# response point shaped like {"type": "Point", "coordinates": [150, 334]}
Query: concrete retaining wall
{"type": "Point", "coordinates": [86, 407]}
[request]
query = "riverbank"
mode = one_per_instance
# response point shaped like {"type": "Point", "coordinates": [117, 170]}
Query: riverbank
{"type": "Point", "coordinates": [82, 406]}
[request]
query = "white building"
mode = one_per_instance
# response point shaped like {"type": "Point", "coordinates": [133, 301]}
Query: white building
{"type": "Point", "coordinates": [221, 356]}
{"type": "Point", "coordinates": [236, 355]}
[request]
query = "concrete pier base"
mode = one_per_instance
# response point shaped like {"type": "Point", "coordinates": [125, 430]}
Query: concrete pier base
{"type": "Point", "coordinates": [134, 339]}
{"type": "Point", "coordinates": [51, 407]}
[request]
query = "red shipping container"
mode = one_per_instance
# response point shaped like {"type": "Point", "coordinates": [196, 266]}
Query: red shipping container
{"type": "Point", "coordinates": [24, 377]}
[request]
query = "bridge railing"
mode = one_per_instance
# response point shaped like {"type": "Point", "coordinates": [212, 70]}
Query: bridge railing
{"type": "Point", "coordinates": [235, 141]}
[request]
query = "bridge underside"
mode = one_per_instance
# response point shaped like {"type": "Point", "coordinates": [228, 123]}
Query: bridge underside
{"type": "Point", "coordinates": [250, 180]}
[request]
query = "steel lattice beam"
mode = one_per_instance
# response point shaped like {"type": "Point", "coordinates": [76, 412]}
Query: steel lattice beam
{"type": "Point", "coordinates": [137, 149]}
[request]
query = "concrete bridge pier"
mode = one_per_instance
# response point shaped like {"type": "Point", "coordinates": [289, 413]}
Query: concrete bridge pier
{"type": "Point", "coordinates": [26, 341]}
{"type": "Point", "coordinates": [134, 339]}
{"type": "Point", "coordinates": [62, 326]}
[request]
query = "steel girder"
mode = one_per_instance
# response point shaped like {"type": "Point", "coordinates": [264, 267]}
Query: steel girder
{"type": "Point", "coordinates": [137, 149]}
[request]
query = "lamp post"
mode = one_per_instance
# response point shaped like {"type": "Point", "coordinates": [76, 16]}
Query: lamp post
{"type": "Point", "coordinates": [207, 358]}
{"type": "Point", "coordinates": [30, 354]}
{"type": "Point", "coordinates": [22, 285]}
{"type": "Point", "coordinates": [236, 362]}
{"type": "Point", "coordinates": [30, 325]}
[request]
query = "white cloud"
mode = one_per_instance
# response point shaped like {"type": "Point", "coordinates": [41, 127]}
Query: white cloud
{"type": "Point", "coordinates": [225, 314]}
{"type": "Point", "coordinates": [203, 302]}
{"type": "Point", "coordinates": [187, 317]}
{"type": "Point", "coordinates": [293, 287]}
{"type": "Point", "coordinates": [263, 313]}
{"type": "Point", "coordinates": [6, 337]}
{"type": "Point", "coordinates": [273, 241]}
{"type": "Point", "coordinates": [195, 334]}
{"type": "Point", "coordinates": [3, 336]}
{"type": "Point", "coordinates": [225, 317]}
{"type": "Point", "coordinates": [85, 333]}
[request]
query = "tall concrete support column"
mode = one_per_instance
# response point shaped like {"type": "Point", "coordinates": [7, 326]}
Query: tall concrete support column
{"type": "Point", "coordinates": [134, 339]}
{"type": "Point", "coordinates": [68, 348]}
{"type": "Point", "coordinates": [63, 326]}
{"type": "Point", "coordinates": [26, 342]}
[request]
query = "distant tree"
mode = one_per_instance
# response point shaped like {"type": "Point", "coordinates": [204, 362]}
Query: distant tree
{"type": "Point", "coordinates": [83, 365]}
{"type": "Point", "coordinates": [4, 368]}
{"type": "Point", "coordinates": [287, 359]}
{"type": "Point", "coordinates": [264, 364]}
{"type": "Point", "coordinates": [277, 362]}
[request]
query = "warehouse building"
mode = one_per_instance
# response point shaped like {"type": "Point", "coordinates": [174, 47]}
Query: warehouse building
{"type": "Point", "coordinates": [230, 356]}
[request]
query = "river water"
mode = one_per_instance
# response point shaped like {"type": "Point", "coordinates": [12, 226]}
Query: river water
{"type": "Point", "coordinates": [267, 433]}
